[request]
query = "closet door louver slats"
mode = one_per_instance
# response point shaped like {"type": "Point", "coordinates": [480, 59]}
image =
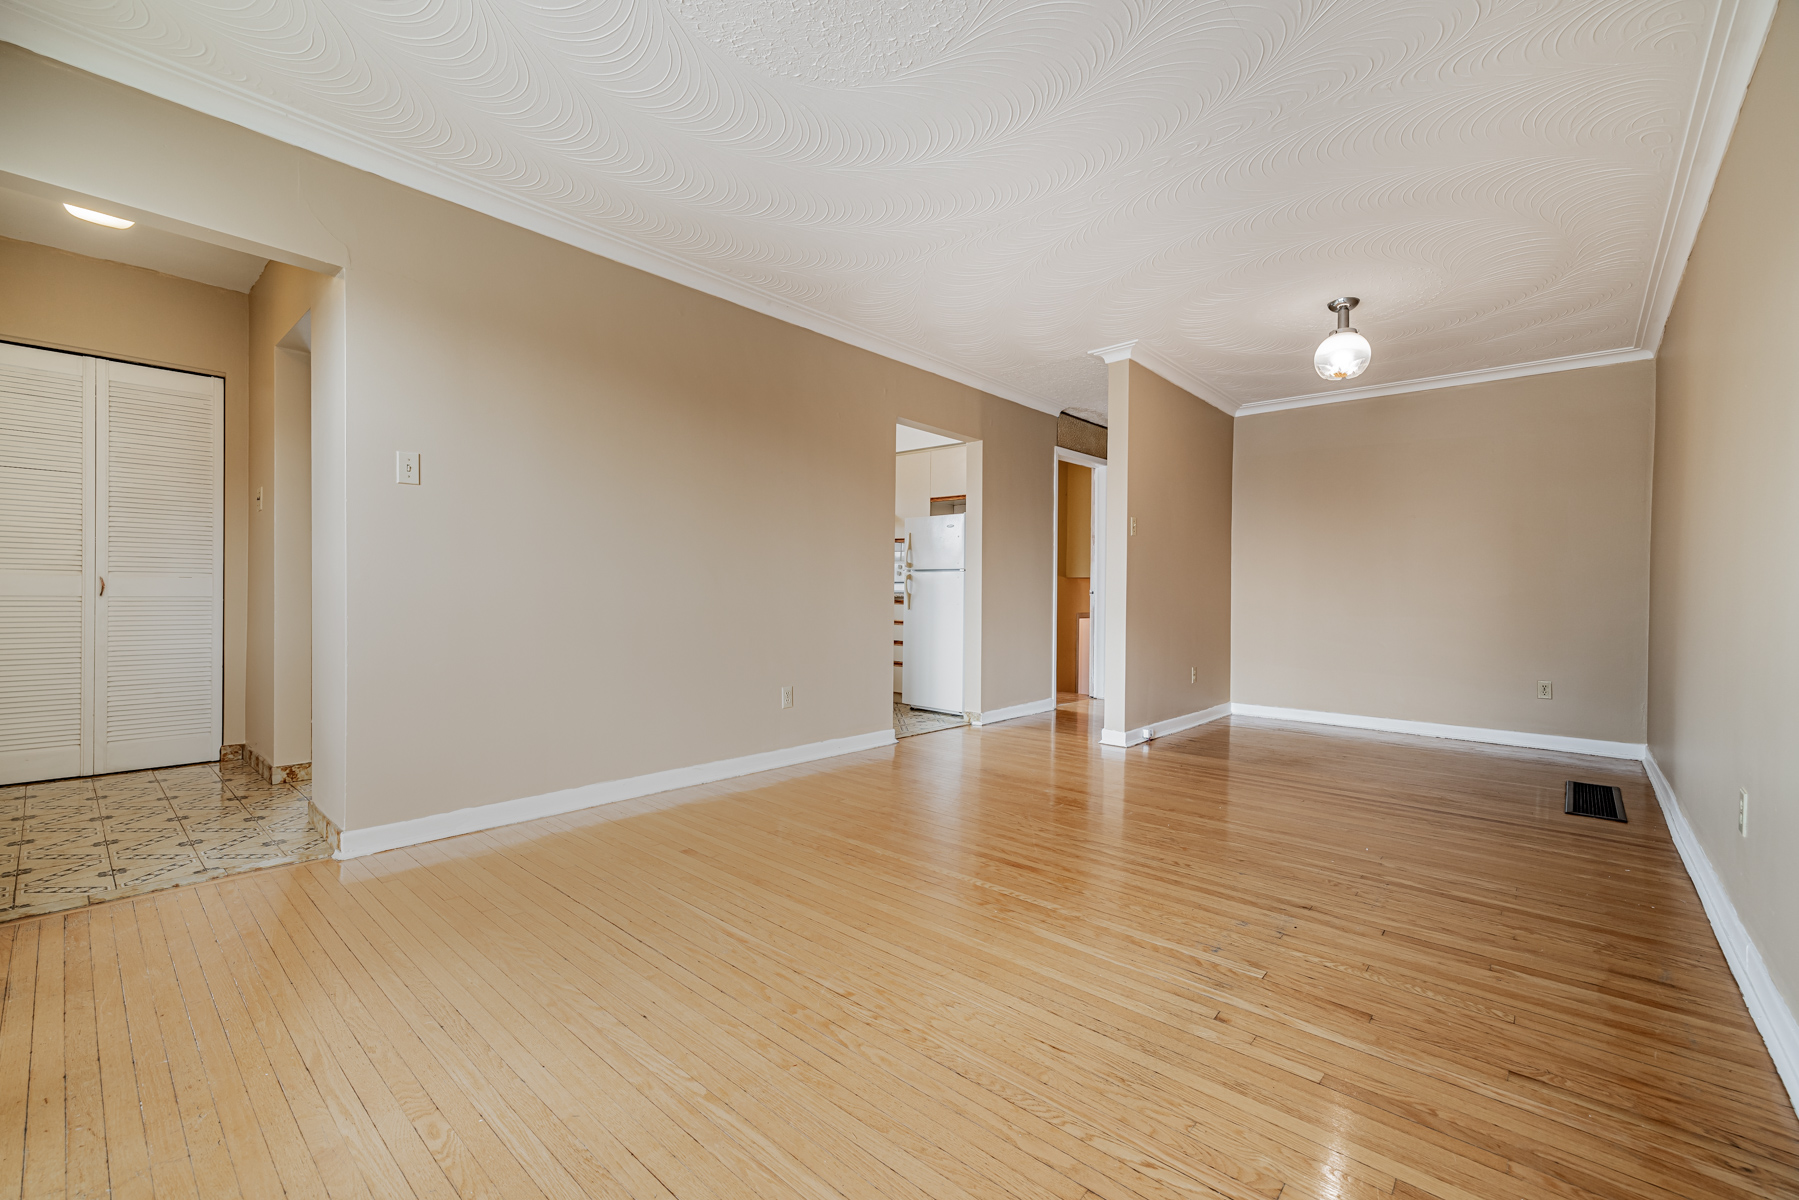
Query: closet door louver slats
{"type": "Point", "coordinates": [46, 533]}
{"type": "Point", "coordinates": [159, 546]}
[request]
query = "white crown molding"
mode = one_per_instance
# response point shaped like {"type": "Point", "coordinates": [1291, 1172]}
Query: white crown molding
{"type": "Point", "coordinates": [1573, 362]}
{"type": "Point", "coordinates": [1739, 31]}
{"type": "Point", "coordinates": [1459, 733]}
{"type": "Point", "coordinates": [206, 72]}
{"type": "Point", "coordinates": [1142, 355]}
{"type": "Point", "coordinates": [1136, 737]}
{"type": "Point", "coordinates": [191, 89]}
{"type": "Point", "coordinates": [1767, 1007]}
{"type": "Point", "coordinates": [354, 843]}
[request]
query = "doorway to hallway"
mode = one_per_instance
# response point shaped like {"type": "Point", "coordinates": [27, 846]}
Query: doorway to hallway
{"type": "Point", "coordinates": [1080, 575]}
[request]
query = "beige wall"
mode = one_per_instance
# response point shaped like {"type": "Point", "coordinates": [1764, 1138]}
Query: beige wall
{"type": "Point", "coordinates": [1168, 586]}
{"type": "Point", "coordinates": [64, 301]}
{"type": "Point", "coordinates": [1429, 557]}
{"type": "Point", "coordinates": [1724, 625]}
{"type": "Point", "coordinates": [278, 668]}
{"type": "Point", "coordinates": [644, 509]}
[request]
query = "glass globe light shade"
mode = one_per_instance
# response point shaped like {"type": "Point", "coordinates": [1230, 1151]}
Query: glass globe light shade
{"type": "Point", "coordinates": [1342, 355]}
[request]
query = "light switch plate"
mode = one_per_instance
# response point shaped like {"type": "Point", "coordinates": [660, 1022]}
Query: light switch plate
{"type": "Point", "coordinates": [406, 466]}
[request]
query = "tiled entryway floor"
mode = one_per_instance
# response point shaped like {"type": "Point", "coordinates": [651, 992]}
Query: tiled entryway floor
{"type": "Point", "coordinates": [908, 721]}
{"type": "Point", "coordinates": [74, 841]}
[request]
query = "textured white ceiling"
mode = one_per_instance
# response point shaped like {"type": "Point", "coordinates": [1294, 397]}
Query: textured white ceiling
{"type": "Point", "coordinates": [995, 187]}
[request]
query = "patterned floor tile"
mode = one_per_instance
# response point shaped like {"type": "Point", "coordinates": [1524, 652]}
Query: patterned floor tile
{"type": "Point", "coordinates": [283, 816]}
{"type": "Point", "coordinates": [244, 850]}
{"type": "Point", "coordinates": [182, 774]}
{"type": "Point", "coordinates": [58, 862]}
{"type": "Point", "coordinates": [137, 824]}
{"type": "Point", "coordinates": [60, 788]}
{"type": "Point", "coordinates": [70, 841]}
{"type": "Point", "coordinates": [61, 815]}
{"type": "Point", "coordinates": [212, 797]}
{"type": "Point", "coordinates": [310, 846]}
{"type": "Point", "coordinates": [151, 859]}
{"type": "Point", "coordinates": [192, 811]}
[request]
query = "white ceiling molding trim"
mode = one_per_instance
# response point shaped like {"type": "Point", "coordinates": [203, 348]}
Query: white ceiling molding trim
{"type": "Point", "coordinates": [1142, 355]}
{"type": "Point", "coordinates": [980, 193]}
{"type": "Point", "coordinates": [1736, 43]}
{"type": "Point", "coordinates": [1573, 362]}
{"type": "Point", "coordinates": [190, 88]}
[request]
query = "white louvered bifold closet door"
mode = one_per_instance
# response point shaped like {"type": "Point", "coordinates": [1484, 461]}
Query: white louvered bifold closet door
{"type": "Point", "coordinates": [46, 556]}
{"type": "Point", "coordinates": [159, 545]}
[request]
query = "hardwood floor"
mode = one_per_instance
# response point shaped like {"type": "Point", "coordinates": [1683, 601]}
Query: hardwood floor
{"type": "Point", "coordinates": [1252, 960]}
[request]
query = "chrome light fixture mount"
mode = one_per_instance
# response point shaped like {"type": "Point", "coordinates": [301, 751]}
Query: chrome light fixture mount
{"type": "Point", "coordinates": [1345, 353]}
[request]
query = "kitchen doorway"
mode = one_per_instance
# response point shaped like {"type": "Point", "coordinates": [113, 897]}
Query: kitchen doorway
{"type": "Point", "coordinates": [933, 563]}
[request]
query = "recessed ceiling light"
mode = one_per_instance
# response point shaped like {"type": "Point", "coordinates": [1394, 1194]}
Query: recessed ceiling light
{"type": "Point", "coordinates": [99, 218]}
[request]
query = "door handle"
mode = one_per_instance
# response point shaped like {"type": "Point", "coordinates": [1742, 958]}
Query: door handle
{"type": "Point", "coordinates": [908, 589]}
{"type": "Point", "coordinates": [103, 585]}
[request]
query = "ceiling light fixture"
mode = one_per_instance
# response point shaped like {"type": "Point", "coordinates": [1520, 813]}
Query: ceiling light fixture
{"type": "Point", "coordinates": [99, 218]}
{"type": "Point", "coordinates": [1345, 353]}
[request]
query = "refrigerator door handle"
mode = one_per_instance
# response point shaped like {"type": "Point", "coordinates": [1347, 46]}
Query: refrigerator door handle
{"type": "Point", "coordinates": [908, 589]}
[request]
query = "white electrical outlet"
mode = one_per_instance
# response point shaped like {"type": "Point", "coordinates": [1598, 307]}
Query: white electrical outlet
{"type": "Point", "coordinates": [1544, 691]}
{"type": "Point", "coordinates": [787, 696]}
{"type": "Point", "coordinates": [1743, 812]}
{"type": "Point", "coordinates": [258, 499]}
{"type": "Point", "coordinates": [406, 466]}
{"type": "Point", "coordinates": [1133, 526]}
{"type": "Point", "coordinates": [1192, 674]}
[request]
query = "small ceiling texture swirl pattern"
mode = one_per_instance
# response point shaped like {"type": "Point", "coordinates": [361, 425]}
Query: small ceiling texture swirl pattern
{"type": "Point", "coordinates": [993, 188]}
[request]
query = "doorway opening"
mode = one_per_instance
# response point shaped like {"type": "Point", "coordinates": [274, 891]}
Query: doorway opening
{"type": "Point", "coordinates": [130, 373]}
{"type": "Point", "coordinates": [934, 557]}
{"type": "Point", "coordinates": [1080, 578]}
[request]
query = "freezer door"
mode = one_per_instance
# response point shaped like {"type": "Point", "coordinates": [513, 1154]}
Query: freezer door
{"type": "Point", "coordinates": [936, 542]}
{"type": "Point", "coordinates": [933, 675]}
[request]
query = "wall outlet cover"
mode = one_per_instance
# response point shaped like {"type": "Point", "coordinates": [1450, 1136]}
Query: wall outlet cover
{"type": "Point", "coordinates": [1544, 690]}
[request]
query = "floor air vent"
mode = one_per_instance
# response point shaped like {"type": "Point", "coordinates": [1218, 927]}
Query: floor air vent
{"type": "Point", "coordinates": [1594, 800]}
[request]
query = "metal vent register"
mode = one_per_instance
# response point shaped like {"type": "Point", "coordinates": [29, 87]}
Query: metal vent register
{"type": "Point", "coordinates": [1594, 800]}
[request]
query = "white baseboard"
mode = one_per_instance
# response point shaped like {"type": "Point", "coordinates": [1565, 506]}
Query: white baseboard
{"type": "Point", "coordinates": [996, 715]}
{"type": "Point", "coordinates": [1767, 1007]}
{"type": "Point", "coordinates": [354, 843]}
{"type": "Point", "coordinates": [1460, 733]}
{"type": "Point", "coordinates": [1135, 737]}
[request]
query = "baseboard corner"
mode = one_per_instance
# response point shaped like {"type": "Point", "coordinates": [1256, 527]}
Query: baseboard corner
{"type": "Point", "coordinates": [1159, 729]}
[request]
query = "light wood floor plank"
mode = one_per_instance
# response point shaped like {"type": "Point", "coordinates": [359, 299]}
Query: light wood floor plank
{"type": "Point", "coordinates": [16, 1018]}
{"type": "Point", "coordinates": [46, 1125]}
{"type": "Point", "coordinates": [1254, 961]}
{"type": "Point", "coordinates": [83, 1095]}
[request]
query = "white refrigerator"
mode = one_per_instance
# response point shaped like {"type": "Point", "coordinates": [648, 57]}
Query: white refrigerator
{"type": "Point", "coordinates": [934, 598]}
